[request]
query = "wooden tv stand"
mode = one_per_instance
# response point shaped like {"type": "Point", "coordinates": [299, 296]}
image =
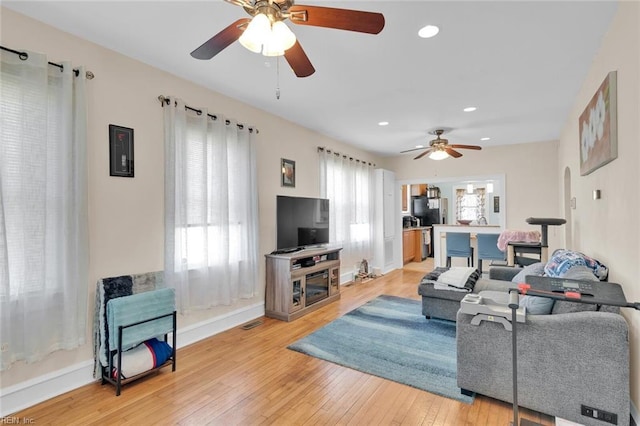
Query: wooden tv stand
{"type": "Point", "coordinates": [301, 282]}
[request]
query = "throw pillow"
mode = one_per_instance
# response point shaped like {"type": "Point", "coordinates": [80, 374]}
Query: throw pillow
{"type": "Point", "coordinates": [533, 269]}
{"type": "Point", "coordinates": [536, 305]}
{"type": "Point", "coordinates": [563, 260]}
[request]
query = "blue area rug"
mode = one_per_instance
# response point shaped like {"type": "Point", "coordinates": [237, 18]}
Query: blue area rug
{"type": "Point", "coordinates": [390, 338]}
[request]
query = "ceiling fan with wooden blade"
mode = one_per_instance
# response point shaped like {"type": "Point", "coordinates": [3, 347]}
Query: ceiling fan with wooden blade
{"type": "Point", "coordinates": [439, 148]}
{"type": "Point", "coordinates": [272, 37]}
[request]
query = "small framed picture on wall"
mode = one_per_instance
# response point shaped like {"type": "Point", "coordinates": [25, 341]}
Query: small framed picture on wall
{"type": "Point", "coordinates": [288, 168]}
{"type": "Point", "coordinates": [120, 151]}
{"type": "Point", "coordinates": [496, 204]}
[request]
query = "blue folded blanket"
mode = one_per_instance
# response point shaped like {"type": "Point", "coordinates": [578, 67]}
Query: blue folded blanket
{"type": "Point", "coordinates": [139, 307]}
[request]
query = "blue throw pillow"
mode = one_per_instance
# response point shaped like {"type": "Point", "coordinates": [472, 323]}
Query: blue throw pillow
{"type": "Point", "coordinates": [535, 305]}
{"type": "Point", "coordinates": [533, 269]}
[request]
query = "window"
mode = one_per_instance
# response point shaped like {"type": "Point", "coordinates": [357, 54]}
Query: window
{"type": "Point", "coordinates": [43, 208]}
{"type": "Point", "coordinates": [470, 206]}
{"type": "Point", "coordinates": [211, 209]}
{"type": "Point", "coordinates": [348, 184]}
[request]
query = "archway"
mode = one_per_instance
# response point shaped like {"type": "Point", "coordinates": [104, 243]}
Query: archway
{"type": "Point", "coordinates": [567, 197]}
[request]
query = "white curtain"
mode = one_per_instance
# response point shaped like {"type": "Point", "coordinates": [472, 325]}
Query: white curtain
{"type": "Point", "coordinates": [43, 208]}
{"type": "Point", "coordinates": [349, 186]}
{"type": "Point", "coordinates": [211, 209]}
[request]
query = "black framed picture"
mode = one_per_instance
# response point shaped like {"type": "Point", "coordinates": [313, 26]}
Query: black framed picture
{"type": "Point", "coordinates": [288, 168]}
{"type": "Point", "coordinates": [496, 204]}
{"type": "Point", "coordinates": [120, 151]}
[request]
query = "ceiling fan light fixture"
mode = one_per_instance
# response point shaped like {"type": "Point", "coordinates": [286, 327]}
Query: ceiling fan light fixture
{"type": "Point", "coordinates": [280, 39]}
{"type": "Point", "coordinates": [438, 155]}
{"type": "Point", "coordinates": [261, 36]}
{"type": "Point", "coordinates": [258, 30]}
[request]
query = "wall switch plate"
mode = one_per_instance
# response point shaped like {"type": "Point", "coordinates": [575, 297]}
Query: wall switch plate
{"type": "Point", "coordinates": [598, 414]}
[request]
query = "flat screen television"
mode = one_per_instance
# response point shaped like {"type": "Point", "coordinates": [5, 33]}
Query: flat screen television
{"type": "Point", "coordinates": [301, 222]}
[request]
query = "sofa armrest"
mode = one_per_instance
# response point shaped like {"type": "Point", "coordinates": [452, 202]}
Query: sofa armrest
{"type": "Point", "coordinates": [564, 360]}
{"type": "Point", "coordinates": [504, 273]}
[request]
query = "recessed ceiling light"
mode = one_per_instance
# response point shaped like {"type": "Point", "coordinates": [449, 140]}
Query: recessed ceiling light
{"type": "Point", "coordinates": [428, 31]}
{"type": "Point", "coordinates": [419, 146]}
{"type": "Point", "coordinates": [470, 109]}
{"type": "Point", "coordinates": [383, 123]}
{"type": "Point", "coordinates": [485, 139]}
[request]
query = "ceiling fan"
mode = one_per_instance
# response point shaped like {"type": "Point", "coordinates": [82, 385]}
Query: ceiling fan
{"type": "Point", "coordinates": [267, 33]}
{"type": "Point", "coordinates": [439, 148]}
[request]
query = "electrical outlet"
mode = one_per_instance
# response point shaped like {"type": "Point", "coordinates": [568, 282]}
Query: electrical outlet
{"type": "Point", "coordinates": [598, 414]}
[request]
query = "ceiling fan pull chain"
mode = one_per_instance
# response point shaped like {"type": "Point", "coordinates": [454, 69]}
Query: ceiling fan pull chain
{"type": "Point", "coordinates": [278, 77]}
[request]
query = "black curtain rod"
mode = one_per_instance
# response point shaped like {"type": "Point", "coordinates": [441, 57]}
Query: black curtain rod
{"type": "Point", "coordinates": [164, 100]}
{"type": "Point", "coordinates": [337, 154]}
{"type": "Point", "coordinates": [24, 56]}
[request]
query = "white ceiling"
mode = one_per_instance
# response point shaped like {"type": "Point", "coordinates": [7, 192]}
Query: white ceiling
{"type": "Point", "coordinates": [521, 63]}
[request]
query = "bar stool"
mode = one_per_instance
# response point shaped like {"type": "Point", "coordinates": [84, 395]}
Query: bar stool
{"type": "Point", "coordinates": [459, 245]}
{"type": "Point", "coordinates": [488, 249]}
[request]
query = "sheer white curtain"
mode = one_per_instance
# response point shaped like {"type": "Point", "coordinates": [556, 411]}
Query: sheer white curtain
{"type": "Point", "coordinates": [43, 208]}
{"type": "Point", "coordinates": [349, 185]}
{"type": "Point", "coordinates": [211, 209]}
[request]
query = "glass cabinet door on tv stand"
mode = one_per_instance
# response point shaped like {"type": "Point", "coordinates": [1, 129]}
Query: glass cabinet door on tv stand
{"type": "Point", "coordinates": [297, 301]}
{"type": "Point", "coordinates": [298, 283]}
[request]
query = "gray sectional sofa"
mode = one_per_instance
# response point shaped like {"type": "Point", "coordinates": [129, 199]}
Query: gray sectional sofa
{"type": "Point", "coordinates": [574, 357]}
{"type": "Point", "coordinates": [443, 304]}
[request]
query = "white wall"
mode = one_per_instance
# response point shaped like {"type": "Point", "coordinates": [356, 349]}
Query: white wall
{"type": "Point", "coordinates": [607, 229]}
{"type": "Point", "coordinates": [126, 215]}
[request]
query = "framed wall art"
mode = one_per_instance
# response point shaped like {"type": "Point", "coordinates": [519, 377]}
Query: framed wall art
{"type": "Point", "coordinates": [120, 151]}
{"type": "Point", "coordinates": [598, 127]}
{"type": "Point", "coordinates": [288, 169]}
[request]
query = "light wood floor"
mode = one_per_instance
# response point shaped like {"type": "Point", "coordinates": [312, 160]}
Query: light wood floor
{"type": "Point", "coordinates": [248, 377]}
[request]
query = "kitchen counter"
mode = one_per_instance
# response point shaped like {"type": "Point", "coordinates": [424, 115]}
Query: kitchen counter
{"type": "Point", "coordinates": [440, 231]}
{"type": "Point", "coordinates": [412, 242]}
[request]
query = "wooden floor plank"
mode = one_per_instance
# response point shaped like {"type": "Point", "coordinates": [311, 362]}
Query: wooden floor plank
{"type": "Point", "coordinates": [249, 377]}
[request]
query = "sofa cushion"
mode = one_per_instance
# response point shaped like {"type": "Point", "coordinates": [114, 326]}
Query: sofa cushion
{"type": "Point", "coordinates": [485, 284]}
{"type": "Point", "coordinates": [536, 305]}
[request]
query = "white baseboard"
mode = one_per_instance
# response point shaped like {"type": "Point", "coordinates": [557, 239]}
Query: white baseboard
{"type": "Point", "coordinates": [36, 390]}
{"type": "Point", "coordinates": [39, 389]}
{"type": "Point", "coordinates": [208, 328]}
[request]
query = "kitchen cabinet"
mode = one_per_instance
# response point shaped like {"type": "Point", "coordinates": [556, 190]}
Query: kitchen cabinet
{"type": "Point", "coordinates": [408, 245]}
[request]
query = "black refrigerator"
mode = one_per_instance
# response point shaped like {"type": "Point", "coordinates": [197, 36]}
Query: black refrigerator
{"type": "Point", "coordinates": [429, 211]}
